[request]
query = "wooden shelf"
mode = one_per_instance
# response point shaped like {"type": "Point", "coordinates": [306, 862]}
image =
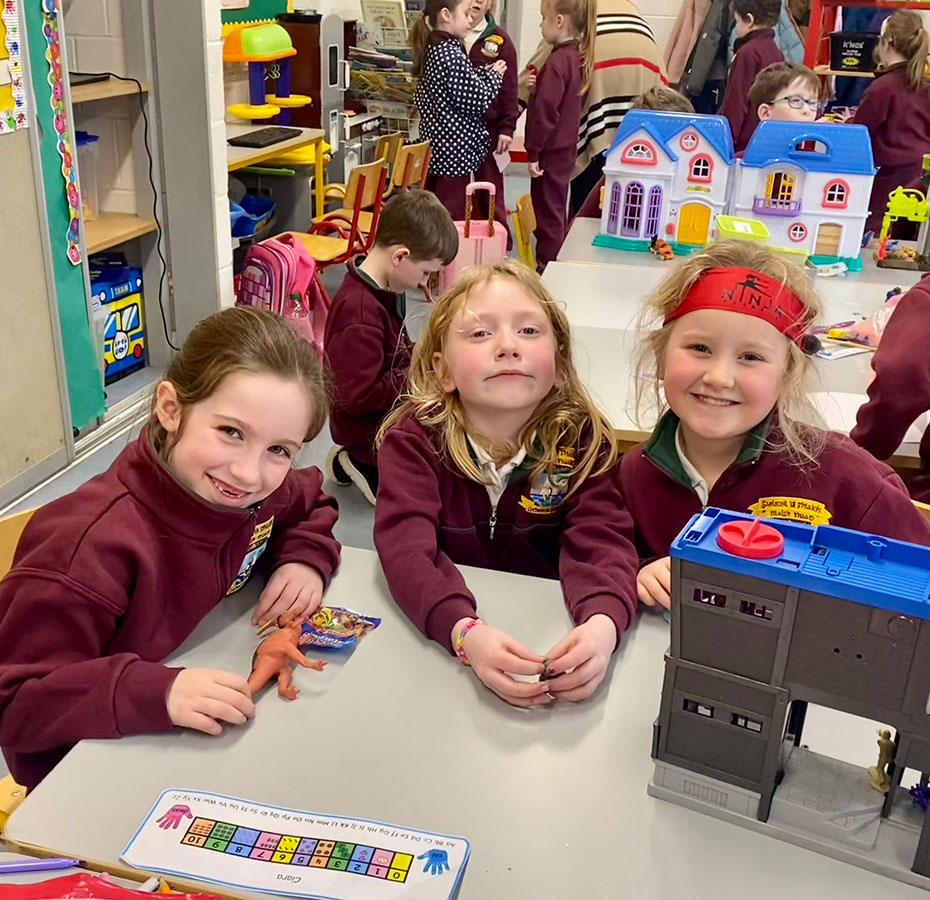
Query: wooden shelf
{"type": "Point", "coordinates": [826, 70]}
{"type": "Point", "coordinates": [110, 229]}
{"type": "Point", "coordinates": [103, 90]}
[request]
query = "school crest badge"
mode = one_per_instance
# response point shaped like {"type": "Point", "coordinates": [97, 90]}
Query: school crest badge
{"type": "Point", "coordinates": [257, 546]}
{"type": "Point", "coordinates": [491, 48]}
{"type": "Point", "coordinates": [547, 490]}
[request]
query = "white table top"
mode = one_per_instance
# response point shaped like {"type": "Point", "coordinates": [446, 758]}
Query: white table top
{"type": "Point", "coordinates": [240, 157]}
{"type": "Point", "coordinates": [554, 800]}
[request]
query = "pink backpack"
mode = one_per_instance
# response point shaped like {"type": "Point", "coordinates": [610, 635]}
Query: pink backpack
{"type": "Point", "coordinates": [278, 275]}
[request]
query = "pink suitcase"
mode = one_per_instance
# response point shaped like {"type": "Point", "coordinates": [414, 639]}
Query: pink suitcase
{"type": "Point", "coordinates": [479, 244]}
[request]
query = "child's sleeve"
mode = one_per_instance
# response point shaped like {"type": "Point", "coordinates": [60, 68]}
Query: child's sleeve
{"type": "Point", "coordinates": [364, 385]}
{"type": "Point", "coordinates": [543, 117]}
{"type": "Point", "coordinates": [508, 108]}
{"type": "Point", "coordinates": [424, 582]}
{"type": "Point", "coordinates": [892, 514]}
{"type": "Point", "coordinates": [469, 89]}
{"type": "Point", "coordinates": [305, 533]}
{"type": "Point", "coordinates": [872, 112]}
{"type": "Point", "coordinates": [598, 561]}
{"type": "Point", "coordinates": [735, 107]}
{"type": "Point", "coordinates": [56, 685]}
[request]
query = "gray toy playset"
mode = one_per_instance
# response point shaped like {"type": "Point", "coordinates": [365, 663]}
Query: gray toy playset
{"type": "Point", "coordinates": [766, 617]}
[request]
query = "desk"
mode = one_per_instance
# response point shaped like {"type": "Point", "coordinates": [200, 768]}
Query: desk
{"type": "Point", "coordinates": [240, 157]}
{"type": "Point", "coordinates": [553, 800]}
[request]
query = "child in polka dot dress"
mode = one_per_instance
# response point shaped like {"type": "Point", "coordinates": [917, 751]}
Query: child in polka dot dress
{"type": "Point", "coordinates": [452, 96]}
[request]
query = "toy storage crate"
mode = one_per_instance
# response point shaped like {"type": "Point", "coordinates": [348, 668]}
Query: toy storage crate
{"type": "Point", "coordinates": [402, 117]}
{"type": "Point", "coordinates": [376, 84]}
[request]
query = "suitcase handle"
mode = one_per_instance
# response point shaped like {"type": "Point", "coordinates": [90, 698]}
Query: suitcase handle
{"type": "Point", "coordinates": [469, 190]}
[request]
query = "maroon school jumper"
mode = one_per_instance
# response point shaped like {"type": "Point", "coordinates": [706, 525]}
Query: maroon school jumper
{"type": "Point", "coordinates": [591, 208]}
{"type": "Point", "coordinates": [754, 52]}
{"type": "Point", "coordinates": [900, 391]}
{"type": "Point", "coordinates": [501, 117]}
{"type": "Point", "coordinates": [898, 119]}
{"type": "Point", "coordinates": [847, 487]}
{"type": "Point", "coordinates": [369, 354]}
{"type": "Point", "coordinates": [430, 517]}
{"type": "Point", "coordinates": [552, 120]}
{"type": "Point", "coordinates": [108, 581]}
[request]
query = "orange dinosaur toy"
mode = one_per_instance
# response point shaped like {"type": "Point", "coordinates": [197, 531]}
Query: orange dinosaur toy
{"type": "Point", "coordinates": [274, 656]}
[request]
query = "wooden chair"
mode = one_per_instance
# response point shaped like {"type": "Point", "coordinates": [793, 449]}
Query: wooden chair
{"type": "Point", "coordinates": [524, 224]}
{"type": "Point", "coordinates": [388, 148]}
{"type": "Point", "coordinates": [410, 167]}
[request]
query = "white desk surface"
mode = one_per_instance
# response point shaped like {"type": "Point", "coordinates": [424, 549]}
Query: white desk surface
{"type": "Point", "coordinates": [240, 157]}
{"type": "Point", "coordinates": [554, 801]}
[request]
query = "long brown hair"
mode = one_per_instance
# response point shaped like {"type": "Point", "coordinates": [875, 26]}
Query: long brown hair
{"type": "Point", "coordinates": [904, 32]}
{"type": "Point", "coordinates": [582, 15]}
{"type": "Point", "coordinates": [240, 339]}
{"type": "Point", "coordinates": [567, 416]}
{"type": "Point", "coordinates": [419, 36]}
{"type": "Point", "coordinates": [801, 437]}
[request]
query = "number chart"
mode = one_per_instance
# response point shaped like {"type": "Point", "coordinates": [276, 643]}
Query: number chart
{"type": "Point", "coordinates": [225, 840]}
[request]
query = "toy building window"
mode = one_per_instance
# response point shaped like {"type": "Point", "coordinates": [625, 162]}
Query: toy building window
{"type": "Point", "coordinates": [711, 598]}
{"type": "Point", "coordinates": [639, 152]}
{"type": "Point", "coordinates": [613, 211]}
{"type": "Point", "coordinates": [811, 146]}
{"type": "Point", "coordinates": [689, 140]}
{"type": "Point", "coordinates": [836, 194]}
{"type": "Point", "coordinates": [758, 610]}
{"type": "Point", "coordinates": [797, 232]}
{"type": "Point", "coordinates": [699, 709]}
{"type": "Point", "coordinates": [702, 168]}
{"type": "Point", "coordinates": [741, 721]}
{"type": "Point", "coordinates": [652, 212]}
{"type": "Point", "coordinates": [632, 210]}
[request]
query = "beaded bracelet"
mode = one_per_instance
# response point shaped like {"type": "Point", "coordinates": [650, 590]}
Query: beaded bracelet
{"type": "Point", "coordinates": [460, 640]}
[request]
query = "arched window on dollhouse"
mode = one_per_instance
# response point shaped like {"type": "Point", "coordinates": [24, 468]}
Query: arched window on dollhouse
{"type": "Point", "coordinates": [836, 194]}
{"type": "Point", "coordinates": [613, 211]}
{"type": "Point", "coordinates": [653, 208]}
{"type": "Point", "coordinates": [632, 210]}
{"type": "Point", "coordinates": [640, 153]}
{"type": "Point", "coordinates": [702, 169]}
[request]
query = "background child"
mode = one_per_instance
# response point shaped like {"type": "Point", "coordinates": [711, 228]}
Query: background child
{"type": "Point", "coordinates": [657, 97]}
{"type": "Point", "coordinates": [499, 458]}
{"type": "Point", "coordinates": [367, 348]}
{"type": "Point", "coordinates": [785, 92]}
{"type": "Point", "coordinates": [452, 97]}
{"type": "Point", "coordinates": [755, 49]}
{"type": "Point", "coordinates": [553, 116]}
{"type": "Point", "coordinates": [730, 362]}
{"type": "Point", "coordinates": [896, 109]}
{"type": "Point", "coordinates": [111, 579]}
{"type": "Point", "coordinates": [486, 43]}
{"type": "Point", "coordinates": [900, 391]}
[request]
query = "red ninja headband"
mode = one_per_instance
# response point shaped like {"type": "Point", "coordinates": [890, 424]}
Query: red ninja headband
{"type": "Point", "coordinates": [749, 292]}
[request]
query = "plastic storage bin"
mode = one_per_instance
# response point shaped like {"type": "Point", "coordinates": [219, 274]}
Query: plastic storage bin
{"type": "Point", "coordinates": [87, 171]}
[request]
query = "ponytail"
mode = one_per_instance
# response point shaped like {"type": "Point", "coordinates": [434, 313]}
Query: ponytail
{"type": "Point", "coordinates": [419, 38]}
{"type": "Point", "coordinates": [904, 32]}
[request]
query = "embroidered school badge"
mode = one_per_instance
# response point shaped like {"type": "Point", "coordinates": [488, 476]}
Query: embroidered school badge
{"type": "Point", "coordinates": [257, 546]}
{"type": "Point", "coordinates": [547, 490]}
{"type": "Point", "coordinates": [491, 47]}
{"type": "Point", "coordinates": [798, 509]}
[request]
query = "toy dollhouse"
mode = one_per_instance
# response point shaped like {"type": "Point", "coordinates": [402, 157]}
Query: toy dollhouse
{"type": "Point", "coordinates": [666, 176]}
{"type": "Point", "coordinates": [765, 618]}
{"type": "Point", "coordinates": [810, 184]}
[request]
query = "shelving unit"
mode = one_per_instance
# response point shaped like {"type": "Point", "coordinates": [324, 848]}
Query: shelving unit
{"type": "Point", "coordinates": [826, 70]}
{"type": "Point", "coordinates": [112, 229]}
{"type": "Point", "coordinates": [104, 90]}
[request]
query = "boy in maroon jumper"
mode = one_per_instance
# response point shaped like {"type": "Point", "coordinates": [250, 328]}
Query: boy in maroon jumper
{"type": "Point", "coordinates": [553, 117]}
{"type": "Point", "coordinates": [755, 49]}
{"type": "Point", "coordinates": [486, 43]}
{"type": "Point", "coordinates": [367, 348]}
{"type": "Point", "coordinates": [900, 391]}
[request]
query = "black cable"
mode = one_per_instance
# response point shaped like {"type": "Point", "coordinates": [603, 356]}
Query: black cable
{"type": "Point", "coordinates": [151, 172]}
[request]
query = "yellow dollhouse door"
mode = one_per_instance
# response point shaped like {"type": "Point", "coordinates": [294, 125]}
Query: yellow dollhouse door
{"type": "Point", "coordinates": [694, 224]}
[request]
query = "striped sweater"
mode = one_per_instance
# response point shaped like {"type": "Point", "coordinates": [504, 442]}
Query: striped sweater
{"type": "Point", "coordinates": [627, 62]}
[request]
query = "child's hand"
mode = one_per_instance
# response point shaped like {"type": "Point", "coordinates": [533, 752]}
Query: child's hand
{"type": "Point", "coordinates": [292, 586]}
{"type": "Point", "coordinates": [579, 661]}
{"type": "Point", "coordinates": [654, 583]}
{"type": "Point", "coordinates": [530, 79]}
{"type": "Point", "coordinates": [503, 143]}
{"type": "Point", "coordinates": [494, 655]}
{"type": "Point", "coordinates": [535, 171]}
{"type": "Point", "coordinates": [202, 698]}
{"type": "Point", "coordinates": [500, 66]}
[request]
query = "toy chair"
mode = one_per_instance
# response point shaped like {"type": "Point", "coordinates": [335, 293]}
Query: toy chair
{"type": "Point", "coordinates": [10, 529]}
{"type": "Point", "coordinates": [524, 224]}
{"type": "Point", "coordinates": [388, 147]}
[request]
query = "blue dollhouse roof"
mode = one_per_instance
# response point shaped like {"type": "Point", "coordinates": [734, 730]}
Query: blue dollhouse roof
{"type": "Point", "coordinates": [663, 126]}
{"type": "Point", "coordinates": [843, 149]}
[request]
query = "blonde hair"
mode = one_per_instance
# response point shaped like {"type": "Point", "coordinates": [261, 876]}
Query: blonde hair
{"type": "Point", "coordinates": [800, 441]}
{"type": "Point", "coordinates": [582, 16]}
{"type": "Point", "coordinates": [240, 339]}
{"type": "Point", "coordinates": [663, 98]}
{"type": "Point", "coordinates": [904, 31]}
{"type": "Point", "coordinates": [567, 416]}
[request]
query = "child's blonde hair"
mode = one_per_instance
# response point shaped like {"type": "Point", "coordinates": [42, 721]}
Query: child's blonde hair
{"type": "Point", "coordinates": [582, 15]}
{"type": "Point", "coordinates": [240, 339]}
{"type": "Point", "coordinates": [904, 31]}
{"type": "Point", "coordinates": [800, 438]}
{"type": "Point", "coordinates": [567, 416]}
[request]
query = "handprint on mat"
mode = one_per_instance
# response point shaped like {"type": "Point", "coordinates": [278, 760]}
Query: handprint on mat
{"type": "Point", "coordinates": [437, 861]}
{"type": "Point", "coordinates": [172, 818]}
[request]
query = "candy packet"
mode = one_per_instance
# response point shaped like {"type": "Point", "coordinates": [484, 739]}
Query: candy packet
{"type": "Point", "coordinates": [336, 628]}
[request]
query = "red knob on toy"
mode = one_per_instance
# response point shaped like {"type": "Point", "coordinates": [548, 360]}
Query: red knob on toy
{"type": "Point", "coordinates": [750, 540]}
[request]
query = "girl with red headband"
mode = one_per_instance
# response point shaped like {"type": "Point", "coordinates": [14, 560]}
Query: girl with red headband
{"type": "Point", "coordinates": [729, 365]}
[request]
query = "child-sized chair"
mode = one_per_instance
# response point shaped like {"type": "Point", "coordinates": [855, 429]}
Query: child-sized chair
{"type": "Point", "coordinates": [388, 147]}
{"type": "Point", "coordinates": [410, 168]}
{"type": "Point", "coordinates": [524, 224]}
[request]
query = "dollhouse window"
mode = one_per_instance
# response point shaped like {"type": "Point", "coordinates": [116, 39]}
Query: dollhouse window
{"type": "Point", "coordinates": [689, 140]}
{"type": "Point", "coordinates": [711, 598]}
{"type": "Point", "coordinates": [652, 212]}
{"type": "Point", "coordinates": [701, 169]}
{"type": "Point", "coordinates": [699, 709]}
{"type": "Point", "coordinates": [639, 152]}
{"type": "Point", "coordinates": [836, 194]}
{"type": "Point", "coordinates": [758, 610]}
{"type": "Point", "coordinates": [613, 211]}
{"type": "Point", "coordinates": [741, 721]}
{"type": "Point", "coordinates": [797, 232]}
{"type": "Point", "coordinates": [811, 146]}
{"type": "Point", "coordinates": [632, 209]}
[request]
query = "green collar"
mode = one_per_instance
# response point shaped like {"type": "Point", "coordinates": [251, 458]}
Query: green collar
{"type": "Point", "coordinates": [492, 27]}
{"type": "Point", "coordinates": [660, 448]}
{"type": "Point", "coordinates": [401, 302]}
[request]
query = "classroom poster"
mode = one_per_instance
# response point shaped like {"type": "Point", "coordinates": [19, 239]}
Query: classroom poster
{"type": "Point", "coordinates": [241, 844]}
{"type": "Point", "coordinates": [12, 89]}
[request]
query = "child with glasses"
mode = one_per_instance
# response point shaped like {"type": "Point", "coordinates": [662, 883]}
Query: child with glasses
{"type": "Point", "coordinates": [785, 92]}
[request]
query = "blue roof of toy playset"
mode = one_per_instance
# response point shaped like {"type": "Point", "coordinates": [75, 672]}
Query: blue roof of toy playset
{"type": "Point", "coordinates": [848, 148]}
{"type": "Point", "coordinates": [864, 568]}
{"type": "Point", "coordinates": [663, 126]}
